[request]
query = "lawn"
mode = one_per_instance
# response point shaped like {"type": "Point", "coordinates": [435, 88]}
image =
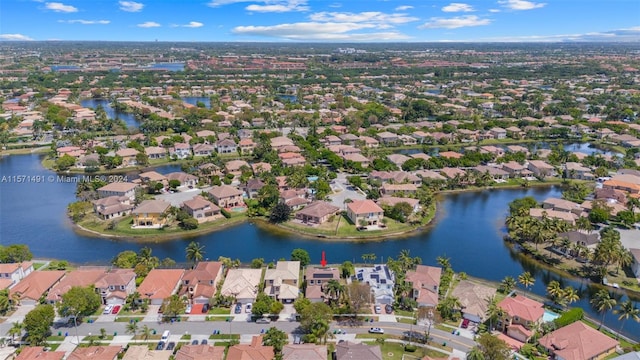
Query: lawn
{"type": "Point", "coordinates": [395, 351]}
{"type": "Point", "coordinates": [219, 311]}
{"type": "Point", "coordinates": [342, 227]}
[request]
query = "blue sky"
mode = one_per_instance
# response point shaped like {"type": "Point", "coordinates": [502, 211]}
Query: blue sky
{"type": "Point", "coordinates": [324, 20]}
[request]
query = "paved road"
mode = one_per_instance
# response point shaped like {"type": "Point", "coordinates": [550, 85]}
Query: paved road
{"type": "Point", "coordinates": [344, 191]}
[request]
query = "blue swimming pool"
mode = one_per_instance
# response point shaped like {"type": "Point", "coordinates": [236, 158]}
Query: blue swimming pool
{"type": "Point", "coordinates": [549, 316]}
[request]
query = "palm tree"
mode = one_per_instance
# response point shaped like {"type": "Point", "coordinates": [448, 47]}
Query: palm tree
{"type": "Point", "coordinates": [508, 284]}
{"type": "Point", "coordinates": [132, 328]}
{"type": "Point", "coordinates": [626, 310]}
{"type": "Point", "coordinates": [444, 261]}
{"type": "Point", "coordinates": [526, 279]}
{"type": "Point", "coordinates": [334, 289]}
{"type": "Point", "coordinates": [195, 252]}
{"type": "Point", "coordinates": [16, 329]}
{"type": "Point", "coordinates": [554, 290]}
{"type": "Point", "coordinates": [494, 312]}
{"type": "Point", "coordinates": [603, 302]}
{"type": "Point", "coordinates": [475, 354]}
{"type": "Point", "coordinates": [570, 295]}
{"type": "Point", "coordinates": [146, 332]}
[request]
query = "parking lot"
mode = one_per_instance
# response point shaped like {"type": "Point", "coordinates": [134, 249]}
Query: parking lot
{"type": "Point", "coordinates": [342, 191]}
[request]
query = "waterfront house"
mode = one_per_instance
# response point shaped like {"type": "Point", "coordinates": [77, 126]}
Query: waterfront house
{"type": "Point", "coordinates": [186, 180]}
{"type": "Point", "coordinates": [236, 167]}
{"type": "Point", "coordinates": [253, 351]}
{"type": "Point", "coordinates": [150, 214]}
{"type": "Point", "coordinates": [180, 151]}
{"type": "Point", "coordinates": [365, 211]}
{"type": "Point", "coordinates": [387, 138]}
{"type": "Point", "coordinates": [199, 352]}
{"type": "Point", "coordinates": [304, 352]}
{"type": "Point", "coordinates": [203, 150]}
{"type": "Point", "coordinates": [159, 285]}
{"type": "Point", "coordinates": [155, 152]}
{"type": "Point", "coordinates": [200, 284]}
{"type": "Point", "coordinates": [516, 170]}
{"type": "Point", "coordinates": [316, 277]}
{"type": "Point", "coordinates": [635, 263]}
{"type": "Point", "coordinates": [152, 176]}
{"type": "Point", "coordinates": [539, 213]}
{"type": "Point", "coordinates": [450, 155]}
{"type": "Point", "coordinates": [242, 284]}
{"type": "Point", "coordinates": [357, 351]}
{"type": "Point", "coordinates": [128, 156]}
{"type": "Point", "coordinates": [30, 289]}
{"type": "Point", "coordinates": [393, 189]}
{"type": "Point", "coordinates": [495, 173]}
{"type": "Point", "coordinates": [95, 353]}
{"type": "Point", "coordinates": [14, 272]}
{"type": "Point", "coordinates": [391, 201]}
{"type": "Point", "coordinates": [318, 212]}
{"type": "Point", "coordinates": [590, 239]}
{"type": "Point", "coordinates": [226, 146]}
{"type": "Point", "coordinates": [115, 285]}
{"type": "Point", "coordinates": [226, 196]}
{"type": "Point", "coordinates": [425, 281]}
{"type": "Point", "coordinates": [577, 341]}
{"type": "Point", "coordinates": [398, 159]}
{"type": "Point", "coordinates": [282, 283]}
{"type": "Point", "coordinates": [562, 205]}
{"type": "Point", "coordinates": [81, 277]}
{"type": "Point", "coordinates": [201, 209]}
{"type": "Point", "coordinates": [39, 353]}
{"type": "Point", "coordinates": [369, 142]}
{"type": "Point", "coordinates": [473, 298]}
{"type": "Point", "coordinates": [120, 189]}
{"type": "Point", "coordinates": [252, 187]}
{"type": "Point", "coordinates": [142, 352]}
{"type": "Point", "coordinates": [521, 317]}
{"type": "Point", "coordinates": [380, 279]}
{"type": "Point", "coordinates": [540, 168]}
{"type": "Point", "coordinates": [395, 177]}
{"type": "Point", "coordinates": [573, 170]}
{"type": "Point", "coordinates": [498, 133]}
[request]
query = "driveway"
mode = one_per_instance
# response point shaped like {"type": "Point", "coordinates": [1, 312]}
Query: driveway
{"type": "Point", "coordinates": [19, 314]}
{"type": "Point", "coordinates": [630, 239]}
{"type": "Point", "coordinates": [342, 191]}
{"type": "Point", "coordinates": [177, 198]}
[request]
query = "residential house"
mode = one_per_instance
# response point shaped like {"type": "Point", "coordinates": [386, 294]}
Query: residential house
{"type": "Point", "coordinates": [81, 277]}
{"type": "Point", "coordinates": [95, 353]}
{"type": "Point", "coordinates": [391, 201]}
{"type": "Point", "coordinates": [15, 272]}
{"type": "Point", "coordinates": [635, 263]}
{"type": "Point", "coordinates": [588, 239]}
{"type": "Point", "coordinates": [562, 205]}
{"type": "Point", "coordinates": [186, 180]}
{"type": "Point", "coordinates": [235, 167]}
{"type": "Point", "coordinates": [450, 154]}
{"type": "Point", "coordinates": [380, 279]}
{"type": "Point", "coordinates": [200, 352]}
{"type": "Point", "coordinates": [30, 289]}
{"type": "Point", "coordinates": [349, 139]}
{"type": "Point", "coordinates": [331, 140]}
{"type": "Point", "coordinates": [115, 285]}
{"type": "Point", "coordinates": [226, 146]}
{"type": "Point", "coordinates": [573, 170]}
{"type": "Point", "coordinates": [425, 282]}
{"type": "Point", "coordinates": [151, 214]}
{"type": "Point", "coordinates": [246, 146]}
{"type": "Point", "coordinates": [398, 159]}
{"type": "Point", "coordinates": [39, 353]}
{"type": "Point", "coordinates": [160, 284]}
{"type": "Point", "coordinates": [364, 211]}
{"type": "Point", "coordinates": [128, 156]}
{"type": "Point", "coordinates": [539, 213]}
{"type": "Point", "coordinates": [260, 167]}
{"type": "Point", "coordinates": [578, 341]}
{"type": "Point", "coordinates": [304, 352]}
{"type": "Point", "coordinates": [180, 151]}
{"type": "Point", "coordinates": [226, 196]}
{"type": "Point", "coordinates": [498, 133]}
{"type": "Point", "coordinates": [200, 284]}
{"type": "Point", "coordinates": [282, 283]}
{"type": "Point", "coordinates": [522, 316]}
{"type": "Point", "coordinates": [396, 177]}
{"type": "Point", "coordinates": [540, 168]}
{"type": "Point", "coordinates": [407, 140]}
{"type": "Point", "coordinates": [473, 298]}
{"type": "Point", "coordinates": [201, 209]}
{"type": "Point", "coordinates": [295, 199]}
{"type": "Point", "coordinates": [142, 352]}
{"type": "Point", "coordinates": [152, 176]}
{"type": "Point", "coordinates": [357, 158]}
{"type": "Point", "coordinates": [387, 138]}
{"type": "Point", "coordinates": [357, 351]}
{"type": "Point", "coordinates": [318, 212]}
{"type": "Point", "coordinates": [421, 136]}
{"type": "Point", "coordinates": [155, 152]}
{"type": "Point", "coordinates": [495, 173]}
{"type": "Point", "coordinates": [242, 284]}
{"type": "Point", "coordinates": [516, 170]}
{"type": "Point", "coordinates": [120, 189]}
{"type": "Point", "coordinates": [316, 278]}
{"type": "Point", "coordinates": [203, 149]}
{"type": "Point", "coordinates": [252, 187]}
{"type": "Point", "coordinates": [281, 141]}
{"type": "Point", "coordinates": [393, 189]}
{"type": "Point", "coordinates": [254, 351]}
{"type": "Point", "coordinates": [369, 142]}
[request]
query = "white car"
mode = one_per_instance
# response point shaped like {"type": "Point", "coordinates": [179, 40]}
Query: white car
{"type": "Point", "coordinates": [376, 331]}
{"type": "Point", "coordinates": [248, 308]}
{"type": "Point", "coordinates": [107, 309]}
{"type": "Point", "coordinates": [188, 309]}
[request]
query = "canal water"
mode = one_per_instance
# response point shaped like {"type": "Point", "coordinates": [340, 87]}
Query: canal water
{"type": "Point", "coordinates": [468, 229]}
{"type": "Point", "coordinates": [112, 113]}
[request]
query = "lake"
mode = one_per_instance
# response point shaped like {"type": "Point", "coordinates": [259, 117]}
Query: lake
{"type": "Point", "coordinates": [112, 113]}
{"type": "Point", "coordinates": [193, 100]}
{"type": "Point", "coordinates": [468, 229]}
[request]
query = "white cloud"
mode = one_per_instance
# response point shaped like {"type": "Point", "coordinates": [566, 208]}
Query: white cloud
{"type": "Point", "coordinates": [15, 37]}
{"type": "Point", "coordinates": [455, 22]}
{"type": "Point", "coordinates": [130, 6]}
{"type": "Point", "coordinates": [521, 4]}
{"type": "Point", "coordinates": [404, 7]}
{"type": "Point", "coordinates": [149, 24]}
{"type": "Point", "coordinates": [494, 10]}
{"type": "Point", "coordinates": [194, 24]}
{"type": "Point", "coordinates": [458, 7]}
{"type": "Point", "coordinates": [373, 17]}
{"type": "Point", "coordinates": [314, 31]}
{"type": "Point", "coordinates": [335, 5]}
{"type": "Point", "coordinates": [86, 22]}
{"type": "Point", "coordinates": [60, 7]}
{"type": "Point", "coordinates": [265, 6]}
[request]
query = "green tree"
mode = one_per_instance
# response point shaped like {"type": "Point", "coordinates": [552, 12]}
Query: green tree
{"type": "Point", "coordinates": [173, 306]}
{"type": "Point", "coordinates": [126, 259]}
{"type": "Point", "coordinates": [257, 263]}
{"type": "Point", "coordinates": [507, 284]}
{"type": "Point", "coordinates": [262, 305]}
{"type": "Point", "coordinates": [37, 324]}
{"type": "Point", "coordinates": [15, 253]}
{"type": "Point", "coordinates": [302, 256]}
{"type": "Point", "coordinates": [65, 162]}
{"type": "Point", "coordinates": [493, 348]}
{"type": "Point", "coordinates": [603, 302]}
{"type": "Point", "coordinates": [626, 311]}
{"type": "Point", "coordinates": [521, 206]}
{"type": "Point", "coordinates": [346, 269]}
{"type": "Point", "coordinates": [195, 252]}
{"type": "Point", "coordinates": [15, 330]}
{"type": "Point", "coordinates": [132, 328]}
{"type": "Point", "coordinates": [279, 213]}
{"type": "Point", "coordinates": [276, 338]}
{"type": "Point", "coordinates": [526, 280]}
{"type": "Point", "coordinates": [79, 301]}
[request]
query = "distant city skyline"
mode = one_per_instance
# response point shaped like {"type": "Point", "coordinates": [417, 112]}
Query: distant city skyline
{"type": "Point", "coordinates": [322, 20]}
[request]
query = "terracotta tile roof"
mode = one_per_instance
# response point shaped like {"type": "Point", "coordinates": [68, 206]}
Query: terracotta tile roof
{"type": "Point", "coordinates": [199, 202]}
{"type": "Point", "coordinates": [319, 209]}
{"type": "Point", "coordinates": [224, 191]}
{"type": "Point", "coordinates": [352, 351]}
{"type": "Point", "coordinates": [473, 297]}
{"type": "Point", "coordinates": [152, 207]}
{"type": "Point", "coordinates": [243, 283]}
{"type": "Point", "coordinates": [36, 284]}
{"type": "Point", "coordinates": [392, 200]}
{"type": "Point", "coordinates": [160, 283]}
{"type": "Point", "coordinates": [9, 268]}
{"type": "Point", "coordinates": [200, 352]}
{"type": "Point", "coordinates": [118, 187]}
{"type": "Point", "coordinates": [95, 353]}
{"type": "Point", "coordinates": [304, 352]}
{"type": "Point", "coordinates": [364, 207]}
{"type": "Point", "coordinates": [578, 341]}
{"type": "Point", "coordinates": [522, 307]}
{"type": "Point", "coordinates": [38, 353]}
{"type": "Point", "coordinates": [141, 352]}
{"type": "Point", "coordinates": [426, 280]}
{"type": "Point", "coordinates": [79, 277]}
{"type": "Point", "coordinates": [255, 351]}
{"type": "Point", "coordinates": [204, 272]}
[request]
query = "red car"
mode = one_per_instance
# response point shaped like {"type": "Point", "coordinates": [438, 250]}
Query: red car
{"type": "Point", "coordinates": [116, 309]}
{"type": "Point", "coordinates": [465, 323]}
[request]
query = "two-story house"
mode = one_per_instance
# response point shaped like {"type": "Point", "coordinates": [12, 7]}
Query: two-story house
{"type": "Point", "coordinates": [364, 212]}
{"type": "Point", "coordinates": [425, 282]}
{"type": "Point", "coordinates": [14, 272]}
{"type": "Point", "coordinates": [521, 317]}
{"type": "Point", "coordinates": [150, 214]}
{"type": "Point", "coordinates": [119, 189]}
{"type": "Point", "coordinates": [381, 281]}
{"type": "Point", "coordinates": [226, 146]}
{"type": "Point", "coordinates": [226, 196]}
{"type": "Point", "coordinates": [282, 283]}
{"type": "Point", "coordinates": [201, 209]}
{"type": "Point", "coordinates": [316, 279]}
{"type": "Point", "coordinates": [115, 285]}
{"type": "Point", "coordinates": [200, 284]}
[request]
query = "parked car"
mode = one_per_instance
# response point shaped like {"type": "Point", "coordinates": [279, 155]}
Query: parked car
{"type": "Point", "coordinates": [194, 342]}
{"type": "Point", "coordinates": [116, 309]}
{"type": "Point", "coordinates": [203, 342]}
{"type": "Point", "coordinates": [263, 321]}
{"type": "Point", "coordinates": [171, 345]}
{"type": "Point", "coordinates": [107, 309]}
{"type": "Point", "coordinates": [465, 323]}
{"type": "Point", "coordinates": [376, 331]}
{"type": "Point", "coordinates": [160, 346]}
{"type": "Point", "coordinates": [188, 309]}
{"type": "Point", "coordinates": [388, 309]}
{"type": "Point", "coordinates": [205, 308]}
{"type": "Point", "coordinates": [238, 308]}
{"type": "Point", "coordinates": [378, 309]}
{"type": "Point", "coordinates": [248, 308]}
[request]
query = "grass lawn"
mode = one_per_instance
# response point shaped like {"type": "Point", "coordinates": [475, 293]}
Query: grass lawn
{"type": "Point", "coordinates": [395, 351]}
{"type": "Point", "coordinates": [342, 227]}
{"type": "Point", "coordinates": [224, 336]}
{"type": "Point", "coordinates": [406, 321]}
{"type": "Point", "coordinates": [128, 319]}
{"type": "Point", "coordinates": [404, 313]}
{"type": "Point", "coordinates": [215, 318]}
{"type": "Point", "coordinates": [219, 311]}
